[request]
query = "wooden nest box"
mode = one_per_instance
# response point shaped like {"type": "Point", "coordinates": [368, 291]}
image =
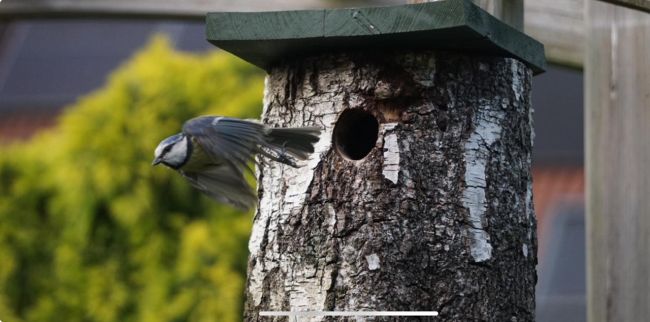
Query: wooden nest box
{"type": "Point", "coordinates": [418, 196]}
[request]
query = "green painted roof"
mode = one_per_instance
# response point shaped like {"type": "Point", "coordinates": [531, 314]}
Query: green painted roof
{"type": "Point", "coordinates": [266, 38]}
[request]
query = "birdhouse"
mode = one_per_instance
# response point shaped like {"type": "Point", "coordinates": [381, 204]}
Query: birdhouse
{"type": "Point", "coordinates": [418, 195]}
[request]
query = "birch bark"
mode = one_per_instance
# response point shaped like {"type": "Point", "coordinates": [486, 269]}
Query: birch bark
{"type": "Point", "coordinates": [437, 216]}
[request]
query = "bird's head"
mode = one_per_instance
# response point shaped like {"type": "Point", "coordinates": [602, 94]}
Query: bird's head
{"type": "Point", "coordinates": [172, 151]}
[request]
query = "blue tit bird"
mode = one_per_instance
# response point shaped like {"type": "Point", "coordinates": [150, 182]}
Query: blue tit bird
{"type": "Point", "coordinates": [212, 153]}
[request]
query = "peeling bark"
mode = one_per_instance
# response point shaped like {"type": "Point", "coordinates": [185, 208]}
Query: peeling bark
{"type": "Point", "coordinates": [438, 216]}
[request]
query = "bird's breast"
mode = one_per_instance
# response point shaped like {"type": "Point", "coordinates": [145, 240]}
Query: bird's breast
{"type": "Point", "coordinates": [198, 159]}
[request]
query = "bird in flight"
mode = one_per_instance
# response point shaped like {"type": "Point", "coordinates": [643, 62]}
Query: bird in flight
{"type": "Point", "coordinates": [212, 153]}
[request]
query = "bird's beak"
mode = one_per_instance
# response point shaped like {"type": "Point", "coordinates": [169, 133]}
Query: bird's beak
{"type": "Point", "coordinates": [156, 161]}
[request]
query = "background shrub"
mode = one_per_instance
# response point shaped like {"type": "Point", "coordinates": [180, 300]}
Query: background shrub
{"type": "Point", "coordinates": [89, 231]}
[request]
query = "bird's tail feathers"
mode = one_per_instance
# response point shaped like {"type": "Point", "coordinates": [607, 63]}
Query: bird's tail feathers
{"type": "Point", "coordinates": [288, 144]}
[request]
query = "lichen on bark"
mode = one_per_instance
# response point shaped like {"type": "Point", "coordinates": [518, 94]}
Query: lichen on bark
{"type": "Point", "coordinates": [438, 216]}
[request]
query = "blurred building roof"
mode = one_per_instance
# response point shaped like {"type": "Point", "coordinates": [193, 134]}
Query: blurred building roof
{"type": "Point", "coordinates": [561, 290]}
{"type": "Point", "coordinates": [558, 194]}
{"type": "Point", "coordinates": [186, 9]}
{"type": "Point", "coordinates": [173, 8]}
{"type": "Point", "coordinates": [556, 185]}
{"type": "Point", "coordinates": [47, 64]}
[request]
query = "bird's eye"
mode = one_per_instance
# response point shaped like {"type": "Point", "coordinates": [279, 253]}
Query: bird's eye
{"type": "Point", "coordinates": [167, 148]}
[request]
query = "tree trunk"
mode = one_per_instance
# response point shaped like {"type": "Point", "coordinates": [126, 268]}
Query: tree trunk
{"type": "Point", "coordinates": [438, 216]}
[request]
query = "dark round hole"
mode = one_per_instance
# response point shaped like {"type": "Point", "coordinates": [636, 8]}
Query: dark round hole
{"type": "Point", "coordinates": [355, 134]}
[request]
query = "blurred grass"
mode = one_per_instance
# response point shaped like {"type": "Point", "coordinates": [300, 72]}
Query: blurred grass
{"type": "Point", "coordinates": [89, 231]}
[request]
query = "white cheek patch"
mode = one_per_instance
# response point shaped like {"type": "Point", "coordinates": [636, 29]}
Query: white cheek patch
{"type": "Point", "coordinates": [177, 153]}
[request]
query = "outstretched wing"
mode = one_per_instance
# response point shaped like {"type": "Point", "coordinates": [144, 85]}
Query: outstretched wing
{"type": "Point", "coordinates": [223, 184]}
{"type": "Point", "coordinates": [226, 139]}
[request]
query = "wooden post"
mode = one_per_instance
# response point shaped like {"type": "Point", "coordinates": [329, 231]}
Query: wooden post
{"type": "Point", "coordinates": [508, 11]}
{"type": "Point", "coordinates": [418, 197]}
{"type": "Point", "coordinates": [643, 5]}
{"type": "Point", "coordinates": [617, 113]}
{"type": "Point", "coordinates": [560, 26]}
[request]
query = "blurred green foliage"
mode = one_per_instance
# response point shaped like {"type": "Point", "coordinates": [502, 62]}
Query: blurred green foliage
{"type": "Point", "coordinates": [89, 231]}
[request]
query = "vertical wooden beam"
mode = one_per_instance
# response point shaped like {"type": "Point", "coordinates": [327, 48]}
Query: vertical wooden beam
{"type": "Point", "coordinates": [508, 11]}
{"type": "Point", "coordinates": [560, 26]}
{"type": "Point", "coordinates": [643, 5]}
{"type": "Point", "coordinates": [617, 113]}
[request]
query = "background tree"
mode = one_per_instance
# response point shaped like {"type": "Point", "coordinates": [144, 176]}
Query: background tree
{"type": "Point", "coordinates": [89, 231]}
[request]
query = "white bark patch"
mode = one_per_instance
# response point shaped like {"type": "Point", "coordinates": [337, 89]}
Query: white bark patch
{"type": "Point", "coordinates": [266, 96]}
{"type": "Point", "coordinates": [333, 219]}
{"type": "Point", "coordinates": [530, 211]}
{"type": "Point", "coordinates": [274, 211]}
{"type": "Point", "coordinates": [306, 291]}
{"type": "Point", "coordinates": [300, 178]}
{"type": "Point", "coordinates": [391, 154]}
{"type": "Point", "coordinates": [486, 132]}
{"type": "Point", "coordinates": [257, 233]}
{"type": "Point", "coordinates": [373, 262]}
{"type": "Point", "coordinates": [516, 78]}
{"type": "Point", "coordinates": [524, 250]}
